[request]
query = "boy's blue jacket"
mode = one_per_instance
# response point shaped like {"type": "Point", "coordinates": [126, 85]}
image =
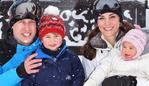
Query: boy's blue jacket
{"type": "Point", "coordinates": [8, 74]}
{"type": "Point", "coordinates": [65, 69]}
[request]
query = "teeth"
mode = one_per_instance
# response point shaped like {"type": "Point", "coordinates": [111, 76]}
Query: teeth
{"type": "Point", "coordinates": [108, 29]}
{"type": "Point", "coordinates": [25, 41]}
{"type": "Point", "coordinates": [26, 34]}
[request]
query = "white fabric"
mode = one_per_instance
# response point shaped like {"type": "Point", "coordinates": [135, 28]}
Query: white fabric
{"type": "Point", "coordinates": [108, 44]}
{"type": "Point", "coordinates": [114, 65]}
{"type": "Point", "coordinates": [142, 82]}
{"type": "Point", "coordinates": [90, 65]}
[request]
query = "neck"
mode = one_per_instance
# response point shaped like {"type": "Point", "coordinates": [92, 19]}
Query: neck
{"type": "Point", "coordinates": [111, 40]}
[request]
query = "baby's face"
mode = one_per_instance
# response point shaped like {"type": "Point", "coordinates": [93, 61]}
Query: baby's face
{"type": "Point", "coordinates": [52, 41]}
{"type": "Point", "coordinates": [128, 51]}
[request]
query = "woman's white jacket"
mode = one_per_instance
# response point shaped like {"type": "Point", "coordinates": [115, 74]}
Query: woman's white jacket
{"type": "Point", "coordinates": [115, 65]}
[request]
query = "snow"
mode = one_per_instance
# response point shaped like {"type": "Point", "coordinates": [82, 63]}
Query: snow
{"type": "Point", "coordinates": [68, 77]}
{"type": "Point", "coordinates": [147, 18]}
{"type": "Point", "coordinates": [127, 14]}
{"type": "Point", "coordinates": [70, 43]}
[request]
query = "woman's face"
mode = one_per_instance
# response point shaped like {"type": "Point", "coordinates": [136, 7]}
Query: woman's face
{"type": "Point", "coordinates": [108, 24]}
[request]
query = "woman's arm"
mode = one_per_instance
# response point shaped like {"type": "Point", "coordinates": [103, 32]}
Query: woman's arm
{"type": "Point", "coordinates": [102, 69]}
{"type": "Point", "coordinates": [99, 74]}
{"type": "Point", "coordinates": [88, 65]}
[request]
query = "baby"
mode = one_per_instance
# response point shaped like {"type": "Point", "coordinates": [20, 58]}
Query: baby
{"type": "Point", "coordinates": [122, 67]}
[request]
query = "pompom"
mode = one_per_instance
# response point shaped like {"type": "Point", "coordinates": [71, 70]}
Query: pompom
{"type": "Point", "coordinates": [51, 10]}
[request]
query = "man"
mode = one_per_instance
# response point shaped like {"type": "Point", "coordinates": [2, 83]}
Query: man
{"type": "Point", "coordinates": [20, 37]}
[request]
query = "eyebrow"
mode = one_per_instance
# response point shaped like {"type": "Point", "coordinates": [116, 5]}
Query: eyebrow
{"type": "Point", "coordinates": [112, 14]}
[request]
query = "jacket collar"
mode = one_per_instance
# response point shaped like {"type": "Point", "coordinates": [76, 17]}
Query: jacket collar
{"type": "Point", "coordinates": [33, 46]}
{"type": "Point", "coordinates": [42, 54]}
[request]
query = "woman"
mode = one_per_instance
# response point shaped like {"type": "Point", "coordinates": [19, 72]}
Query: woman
{"type": "Point", "coordinates": [110, 29]}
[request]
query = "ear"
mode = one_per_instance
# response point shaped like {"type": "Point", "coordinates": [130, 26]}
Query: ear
{"type": "Point", "coordinates": [12, 26]}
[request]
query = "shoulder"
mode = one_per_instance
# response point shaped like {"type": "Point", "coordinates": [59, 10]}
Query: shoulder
{"type": "Point", "coordinates": [2, 42]}
{"type": "Point", "coordinates": [6, 51]}
{"type": "Point", "coordinates": [7, 43]}
{"type": "Point", "coordinates": [70, 52]}
{"type": "Point", "coordinates": [5, 46]}
{"type": "Point", "coordinates": [71, 55]}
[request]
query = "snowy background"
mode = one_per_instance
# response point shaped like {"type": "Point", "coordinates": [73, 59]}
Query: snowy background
{"type": "Point", "coordinates": [78, 19]}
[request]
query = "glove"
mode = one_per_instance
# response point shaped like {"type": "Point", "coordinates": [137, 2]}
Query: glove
{"type": "Point", "coordinates": [120, 81]}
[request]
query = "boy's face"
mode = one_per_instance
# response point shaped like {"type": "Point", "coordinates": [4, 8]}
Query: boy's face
{"type": "Point", "coordinates": [52, 41]}
{"type": "Point", "coordinates": [128, 51]}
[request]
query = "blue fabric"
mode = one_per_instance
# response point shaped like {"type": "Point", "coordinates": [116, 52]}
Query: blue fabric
{"type": "Point", "coordinates": [8, 75]}
{"type": "Point", "coordinates": [10, 78]}
{"type": "Point", "coordinates": [1, 70]}
{"type": "Point", "coordinates": [43, 55]}
{"type": "Point", "coordinates": [63, 70]}
{"type": "Point", "coordinates": [21, 53]}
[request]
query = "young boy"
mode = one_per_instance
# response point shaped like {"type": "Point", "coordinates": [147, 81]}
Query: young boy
{"type": "Point", "coordinates": [123, 67]}
{"type": "Point", "coordinates": [60, 66]}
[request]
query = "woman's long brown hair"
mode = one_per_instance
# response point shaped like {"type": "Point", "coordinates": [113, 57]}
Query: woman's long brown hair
{"type": "Point", "coordinates": [89, 52]}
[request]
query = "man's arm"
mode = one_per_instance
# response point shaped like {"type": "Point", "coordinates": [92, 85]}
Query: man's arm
{"type": "Point", "coordinates": [9, 78]}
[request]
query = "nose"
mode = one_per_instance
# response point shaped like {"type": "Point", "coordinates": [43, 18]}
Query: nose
{"type": "Point", "coordinates": [127, 51]}
{"type": "Point", "coordinates": [53, 39]}
{"type": "Point", "coordinates": [26, 26]}
{"type": "Point", "coordinates": [107, 21]}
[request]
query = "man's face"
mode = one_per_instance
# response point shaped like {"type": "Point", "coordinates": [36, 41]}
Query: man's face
{"type": "Point", "coordinates": [24, 31]}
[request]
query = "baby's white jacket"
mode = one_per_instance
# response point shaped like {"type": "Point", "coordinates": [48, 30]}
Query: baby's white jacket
{"type": "Point", "coordinates": [115, 65]}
